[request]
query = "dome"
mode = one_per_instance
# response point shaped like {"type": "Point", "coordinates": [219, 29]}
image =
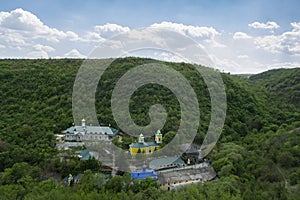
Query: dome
{"type": "Point", "coordinates": [158, 132]}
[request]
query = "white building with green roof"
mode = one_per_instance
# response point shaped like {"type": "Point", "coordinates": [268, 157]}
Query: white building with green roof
{"type": "Point", "coordinates": [89, 133]}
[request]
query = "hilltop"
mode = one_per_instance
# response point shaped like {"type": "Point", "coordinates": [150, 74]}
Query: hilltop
{"type": "Point", "coordinates": [282, 84]}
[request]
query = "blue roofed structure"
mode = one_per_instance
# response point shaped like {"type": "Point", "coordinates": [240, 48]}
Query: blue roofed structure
{"type": "Point", "coordinates": [143, 174]}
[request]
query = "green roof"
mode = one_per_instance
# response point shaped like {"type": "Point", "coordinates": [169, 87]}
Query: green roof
{"type": "Point", "coordinates": [104, 130]}
{"type": "Point", "coordinates": [166, 161]}
{"type": "Point", "coordinates": [143, 144]}
{"type": "Point", "coordinates": [153, 144]}
{"type": "Point", "coordinates": [158, 133]}
{"type": "Point", "coordinates": [139, 145]}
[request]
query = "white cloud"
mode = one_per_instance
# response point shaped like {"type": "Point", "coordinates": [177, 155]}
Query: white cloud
{"type": "Point", "coordinates": [224, 64]}
{"type": "Point", "coordinates": [23, 34]}
{"type": "Point", "coordinates": [243, 56]}
{"type": "Point", "coordinates": [101, 32]}
{"type": "Point", "coordinates": [37, 54]}
{"type": "Point", "coordinates": [159, 55]}
{"type": "Point", "coordinates": [92, 37]}
{"type": "Point", "coordinates": [74, 53]}
{"type": "Point", "coordinates": [72, 36]}
{"type": "Point", "coordinates": [284, 65]}
{"type": "Point", "coordinates": [31, 27]}
{"type": "Point", "coordinates": [20, 19]}
{"type": "Point", "coordinates": [192, 31]}
{"type": "Point", "coordinates": [269, 43]}
{"type": "Point", "coordinates": [269, 25]}
{"type": "Point", "coordinates": [108, 29]}
{"type": "Point", "coordinates": [202, 34]}
{"type": "Point", "coordinates": [45, 48]}
{"type": "Point", "coordinates": [296, 26]}
{"type": "Point", "coordinates": [241, 35]}
{"type": "Point", "coordinates": [287, 43]}
{"type": "Point", "coordinates": [12, 39]}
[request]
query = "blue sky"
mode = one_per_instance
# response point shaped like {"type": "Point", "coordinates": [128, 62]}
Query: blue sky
{"type": "Point", "coordinates": [227, 15]}
{"type": "Point", "coordinates": [248, 36]}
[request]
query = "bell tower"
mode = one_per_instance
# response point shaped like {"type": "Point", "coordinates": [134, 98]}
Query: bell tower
{"type": "Point", "coordinates": [141, 138]}
{"type": "Point", "coordinates": [83, 122]}
{"type": "Point", "coordinates": [158, 137]}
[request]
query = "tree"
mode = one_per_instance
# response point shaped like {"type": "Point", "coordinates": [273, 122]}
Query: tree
{"type": "Point", "coordinates": [115, 184]}
{"type": "Point", "coordinates": [15, 173]}
{"type": "Point", "coordinates": [168, 137]}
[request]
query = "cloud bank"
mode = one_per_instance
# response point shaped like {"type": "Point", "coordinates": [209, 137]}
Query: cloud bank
{"type": "Point", "coordinates": [24, 35]}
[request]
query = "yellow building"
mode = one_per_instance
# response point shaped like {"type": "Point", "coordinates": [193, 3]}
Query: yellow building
{"type": "Point", "coordinates": [146, 147]}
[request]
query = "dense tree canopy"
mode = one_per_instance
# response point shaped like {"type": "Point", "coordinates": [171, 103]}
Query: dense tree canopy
{"type": "Point", "coordinates": [257, 156]}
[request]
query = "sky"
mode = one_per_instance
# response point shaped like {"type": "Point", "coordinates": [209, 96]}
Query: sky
{"type": "Point", "coordinates": [238, 36]}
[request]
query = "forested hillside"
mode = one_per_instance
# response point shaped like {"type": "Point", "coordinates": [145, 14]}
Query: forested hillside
{"type": "Point", "coordinates": [256, 157]}
{"type": "Point", "coordinates": [282, 84]}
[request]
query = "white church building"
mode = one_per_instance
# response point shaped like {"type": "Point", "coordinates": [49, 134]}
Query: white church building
{"type": "Point", "coordinates": [89, 133]}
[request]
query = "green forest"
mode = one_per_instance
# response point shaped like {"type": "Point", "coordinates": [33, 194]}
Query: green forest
{"type": "Point", "coordinates": [256, 157]}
